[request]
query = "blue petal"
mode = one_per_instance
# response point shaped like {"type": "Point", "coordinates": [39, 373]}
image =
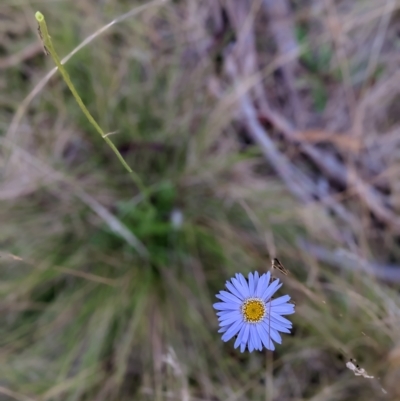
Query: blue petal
{"type": "Point", "coordinates": [265, 337]}
{"type": "Point", "coordinates": [284, 309]}
{"type": "Point", "coordinates": [229, 314]}
{"type": "Point", "coordinates": [275, 335]}
{"type": "Point", "coordinates": [224, 306]}
{"type": "Point", "coordinates": [272, 288]}
{"type": "Point", "coordinates": [280, 327]}
{"type": "Point", "coordinates": [238, 286]}
{"type": "Point", "coordinates": [240, 336]}
{"type": "Point", "coordinates": [280, 318]}
{"type": "Point", "coordinates": [245, 337]}
{"type": "Point", "coordinates": [228, 297]}
{"type": "Point", "coordinates": [256, 278]}
{"type": "Point", "coordinates": [245, 286]}
{"type": "Point", "coordinates": [263, 284]}
{"type": "Point", "coordinates": [230, 320]}
{"type": "Point", "coordinates": [232, 331]}
{"type": "Point", "coordinates": [251, 335]}
{"type": "Point", "coordinates": [277, 324]}
{"type": "Point", "coordinates": [257, 339]}
{"type": "Point", "coordinates": [234, 290]}
{"type": "Point", "coordinates": [251, 284]}
{"type": "Point", "coordinates": [280, 300]}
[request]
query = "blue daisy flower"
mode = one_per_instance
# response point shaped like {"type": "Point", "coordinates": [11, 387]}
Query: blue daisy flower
{"type": "Point", "coordinates": [249, 312]}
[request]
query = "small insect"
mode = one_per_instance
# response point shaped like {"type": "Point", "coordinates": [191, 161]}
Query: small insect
{"type": "Point", "coordinates": [279, 266]}
{"type": "Point", "coordinates": [357, 370]}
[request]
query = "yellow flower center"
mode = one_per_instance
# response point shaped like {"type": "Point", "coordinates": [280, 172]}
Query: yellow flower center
{"type": "Point", "coordinates": [253, 310]}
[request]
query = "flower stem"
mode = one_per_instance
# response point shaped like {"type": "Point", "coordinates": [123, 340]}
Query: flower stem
{"type": "Point", "coordinates": [49, 48]}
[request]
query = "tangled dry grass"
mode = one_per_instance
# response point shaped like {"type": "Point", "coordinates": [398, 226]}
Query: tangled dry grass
{"type": "Point", "coordinates": [269, 128]}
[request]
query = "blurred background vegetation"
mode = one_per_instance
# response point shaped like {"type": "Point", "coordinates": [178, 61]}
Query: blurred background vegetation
{"type": "Point", "coordinates": [258, 129]}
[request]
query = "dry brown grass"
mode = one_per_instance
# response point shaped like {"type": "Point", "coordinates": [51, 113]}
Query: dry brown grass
{"type": "Point", "coordinates": [271, 127]}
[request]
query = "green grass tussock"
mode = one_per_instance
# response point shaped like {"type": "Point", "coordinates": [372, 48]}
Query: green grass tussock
{"type": "Point", "coordinates": [107, 283]}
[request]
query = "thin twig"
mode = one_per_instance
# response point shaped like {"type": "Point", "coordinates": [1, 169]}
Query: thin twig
{"type": "Point", "coordinates": [337, 171]}
{"type": "Point", "coordinates": [282, 29]}
{"type": "Point", "coordinates": [241, 15]}
{"type": "Point", "coordinates": [344, 259]}
{"type": "Point", "coordinates": [297, 183]}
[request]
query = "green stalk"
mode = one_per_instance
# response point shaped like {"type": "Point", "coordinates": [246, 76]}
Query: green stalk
{"type": "Point", "coordinates": [49, 48]}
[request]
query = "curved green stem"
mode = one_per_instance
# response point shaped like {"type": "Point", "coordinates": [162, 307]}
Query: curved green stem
{"type": "Point", "coordinates": [49, 48]}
